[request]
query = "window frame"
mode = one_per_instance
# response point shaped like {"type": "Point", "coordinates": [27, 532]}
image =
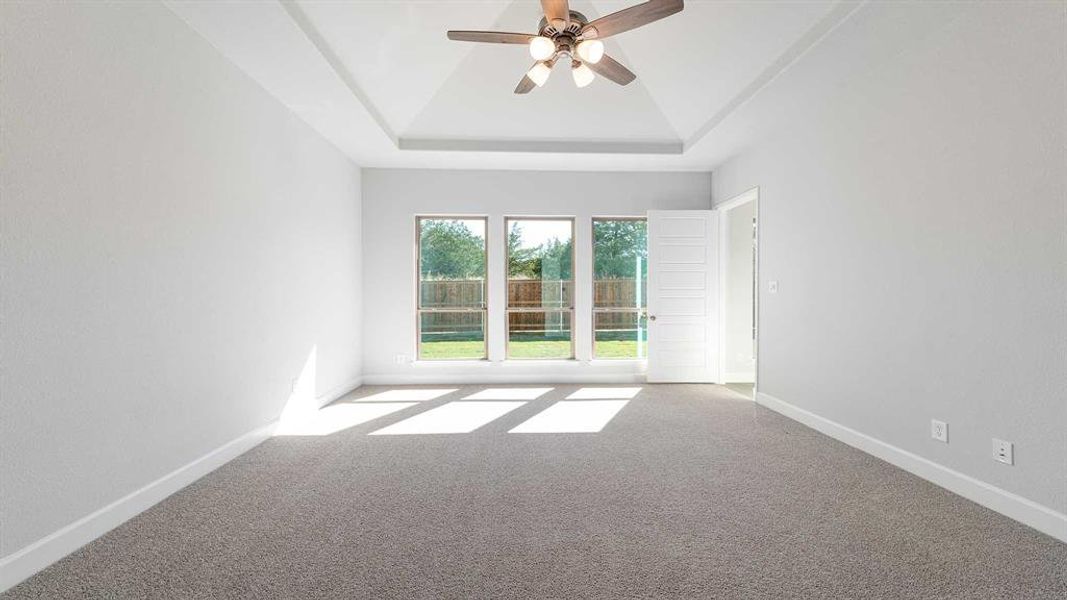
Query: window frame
{"type": "Point", "coordinates": [507, 287]}
{"type": "Point", "coordinates": [418, 289]}
{"type": "Point", "coordinates": [642, 312]}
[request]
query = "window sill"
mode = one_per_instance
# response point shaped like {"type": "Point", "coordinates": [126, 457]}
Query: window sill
{"type": "Point", "coordinates": [618, 361]}
{"type": "Point", "coordinates": [541, 361]}
{"type": "Point", "coordinates": [531, 363]}
{"type": "Point", "coordinates": [451, 363]}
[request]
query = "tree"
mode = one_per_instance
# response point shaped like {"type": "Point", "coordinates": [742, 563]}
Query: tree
{"type": "Point", "coordinates": [522, 262]}
{"type": "Point", "coordinates": [556, 260]}
{"type": "Point", "coordinates": [551, 260]}
{"type": "Point", "coordinates": [450, 250]}
{"type": "Point", "coordinates": [620, 246]}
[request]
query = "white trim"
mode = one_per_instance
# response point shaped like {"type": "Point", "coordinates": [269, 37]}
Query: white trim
{"type": "Point", "coordinates": [743, 198]}
{"type": "Point", "coordinates": [472, 378]}
{"type": "Point", "coordinates": [655, 147]}
{"type": "Point", "coordinates": [751, 195]}
{"type": "Point", "coordinates": [1028, 512]}
{"type": "Point", "coordinates": [338, 391]}
{"type": "Point", "coordinates": [23, 563]}
{"type": "Point", "coordinates": [512, 371]}
{"type": "Point", "coordinates": [30, 559]}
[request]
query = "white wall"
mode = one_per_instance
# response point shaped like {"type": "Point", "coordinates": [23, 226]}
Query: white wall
{"type": "Point", "coordinates": [740, 364]}
{"type": "Point", "coordinates": [914, 215]}
{"type": "Point", "coordinates": [175, 244]}
{"type": "Point", "coordinates": [392, 198]}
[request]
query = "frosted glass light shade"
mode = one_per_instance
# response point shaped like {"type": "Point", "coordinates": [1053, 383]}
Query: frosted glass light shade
{"type": "Point", "coordinates": [582, 75]}
{"type": "Point", "coordinates": [539, 73]}
{"type": "Point", "coordinates": [591, 51]}
{"type": "Point", "coordinates": [542, 48]}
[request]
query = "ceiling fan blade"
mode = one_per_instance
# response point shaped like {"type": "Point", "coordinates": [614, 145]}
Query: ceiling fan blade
{"type": "Point", "coordinates": [612, 69]}
{"type": "Point", "coordinates": [557, 13]}
{"type": "Point", "coordinates": [632, 18]}
{"type": "Point", "coordinates": [491, 37]}
{"type": "Point", "coordinates": [525, 85]}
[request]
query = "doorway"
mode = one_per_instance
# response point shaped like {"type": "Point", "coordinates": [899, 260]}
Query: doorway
{"type": "Point", "coordinates": [739, 273]}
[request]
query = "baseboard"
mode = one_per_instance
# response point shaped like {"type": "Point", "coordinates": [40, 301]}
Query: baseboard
{"type": "Point", "coordinates": [23, 563]}
{"type": "Point", "coordinates": [338, 391]}
{"type": "Point", "coordinates": [1028, 512]}
{"type": "Point", "coordinates": [500, 378]}
{"type": "Point", "coordinates": [739, 377]}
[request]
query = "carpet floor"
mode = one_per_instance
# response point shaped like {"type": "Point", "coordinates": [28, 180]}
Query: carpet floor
{"type": "Point", "coordinates": [689, 491]}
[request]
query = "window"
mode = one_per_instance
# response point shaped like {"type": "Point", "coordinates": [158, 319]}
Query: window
{"type": "Point", "coordinates": [540, 308]}
{"type": "Point", "coordinates": [620, 283]}
{"type": "Point", "coordinates": [450, 323]}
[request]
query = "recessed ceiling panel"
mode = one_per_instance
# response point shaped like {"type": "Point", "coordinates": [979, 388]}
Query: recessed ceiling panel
{"type": "Point", "coordinates": [478, 101]}
{"type": "Point", "coordinates": [696, 62]}
{"type": "Point", "coordinates": [396, 51]}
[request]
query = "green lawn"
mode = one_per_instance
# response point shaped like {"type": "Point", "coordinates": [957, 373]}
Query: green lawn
{"type": "Point", "coordinates": [458, 350]}
{"type": "Point", "coordinates": [452, 350]}
{"type": "Point", "coordinates": [540, 349]}
{"type": "Point", "coordinates": [619, 349]}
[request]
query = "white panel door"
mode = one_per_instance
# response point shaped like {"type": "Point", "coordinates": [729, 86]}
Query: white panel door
{"type": "Point", "coordinates": [683, 296]}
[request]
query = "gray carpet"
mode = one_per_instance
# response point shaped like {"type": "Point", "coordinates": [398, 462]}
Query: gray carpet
{"type": "Point", "coordinates": [689, 492]}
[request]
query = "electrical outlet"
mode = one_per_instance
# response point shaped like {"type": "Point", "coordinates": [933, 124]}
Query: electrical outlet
{"type": "Point", "coordinates": [939, 430]}
{"type": "Point", "coordinates": [401, 359]}
{"type": "Point", "coordinates": [1003, 451]}
{"type": "Point", "coordinates": [772, 286]}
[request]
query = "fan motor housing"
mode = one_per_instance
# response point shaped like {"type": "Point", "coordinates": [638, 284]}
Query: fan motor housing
{"type": "Point", "coordinates": [578, 21]}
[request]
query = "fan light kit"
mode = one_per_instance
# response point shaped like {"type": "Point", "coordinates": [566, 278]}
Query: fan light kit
{"type": "Point", "coordinates": [564, 34]}
{"type": "Point", "coordinates": [539, 73]}
{"type": "Point", "coordinates": [542, 48]}
{"type": "Point", "coordinates": [591, 51]}
{"type": "Point", "coordinates": [582, 74]}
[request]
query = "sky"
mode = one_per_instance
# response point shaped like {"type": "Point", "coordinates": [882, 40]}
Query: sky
{"type": "Point", "coordinates": [475, 226]}
{"type": "Point", "coordinates": [537, 231]}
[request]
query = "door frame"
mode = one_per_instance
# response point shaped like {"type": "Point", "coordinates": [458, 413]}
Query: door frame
{"type": "Point", "coordinates": [751, 195]}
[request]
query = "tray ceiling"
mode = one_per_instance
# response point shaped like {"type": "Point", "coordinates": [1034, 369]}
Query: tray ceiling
{"type": "Point", "coordinates": [381, 80]}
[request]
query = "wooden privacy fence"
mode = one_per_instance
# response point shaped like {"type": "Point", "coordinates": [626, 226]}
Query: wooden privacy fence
{"type": "Point", "coordinates": [526, 293]}
{"type": "Point", "coordinates": [452, 293]}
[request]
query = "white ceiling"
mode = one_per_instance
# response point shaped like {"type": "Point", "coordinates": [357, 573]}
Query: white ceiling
{"type": "Point", "coordinates": [381, 80]}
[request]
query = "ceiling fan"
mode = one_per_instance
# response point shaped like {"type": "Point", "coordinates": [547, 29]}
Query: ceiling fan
{"type": "Point", "coordinates": [567, 34]}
